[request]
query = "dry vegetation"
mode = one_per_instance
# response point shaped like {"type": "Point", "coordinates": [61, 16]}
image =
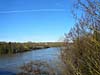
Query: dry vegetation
{"type": "Point", "coordinates": [37, 68]}
{"type": "Point", "coordinates": [15, 47]}
{"type": "Point", "coordinates": [83, 56]}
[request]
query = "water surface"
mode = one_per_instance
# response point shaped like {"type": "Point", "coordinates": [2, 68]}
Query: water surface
{"type": "Point", "coordinates": [14, 61]}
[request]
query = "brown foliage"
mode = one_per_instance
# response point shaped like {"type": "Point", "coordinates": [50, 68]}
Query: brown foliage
{"type": "Point", "coordinates": [83, 56]}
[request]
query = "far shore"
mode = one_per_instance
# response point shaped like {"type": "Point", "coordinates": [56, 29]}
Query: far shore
{"type": "Point", "coordinates": [15, 47]}
{"type": "Point", "coordinates": [35, 48]}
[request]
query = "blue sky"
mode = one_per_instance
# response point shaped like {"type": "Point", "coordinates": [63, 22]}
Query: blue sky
{"type": "Point", "coordinates": [35, 20]}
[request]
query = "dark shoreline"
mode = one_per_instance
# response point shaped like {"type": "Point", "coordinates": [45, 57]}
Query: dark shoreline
{"type": "Point", "coordinates": [15, 47]}
{"type": "Point", "coordinates": [36, 48]}
{"type": "Point", "coordinates": [33, 49]}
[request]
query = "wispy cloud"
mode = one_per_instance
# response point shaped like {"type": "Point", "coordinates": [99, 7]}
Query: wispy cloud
{"type": "Point", "coordinates": [37, 10]}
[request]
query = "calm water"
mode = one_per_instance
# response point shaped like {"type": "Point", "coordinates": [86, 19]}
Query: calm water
{"type": "Point", "coordinates": [13, 62]}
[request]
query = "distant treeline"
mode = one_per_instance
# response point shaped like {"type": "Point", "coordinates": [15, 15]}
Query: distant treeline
{"type": "Point", "coordinates": [14, 47]}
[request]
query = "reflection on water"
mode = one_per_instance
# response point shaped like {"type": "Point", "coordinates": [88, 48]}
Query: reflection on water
{"type": "Point", "coordinates": [13, 62]}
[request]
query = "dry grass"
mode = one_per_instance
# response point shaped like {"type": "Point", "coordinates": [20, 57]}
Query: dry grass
{"type": "Point", "coordinates": [37, 68]}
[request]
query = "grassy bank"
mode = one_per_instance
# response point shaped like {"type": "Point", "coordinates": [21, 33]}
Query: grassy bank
{"type": "Point", "coordinates": [15, 47]}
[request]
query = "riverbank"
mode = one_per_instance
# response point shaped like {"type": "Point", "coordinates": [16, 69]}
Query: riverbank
{"type": "Point", "coordinates": [15, 47]}
{"type": "Point", "coordinates": [35, 48]}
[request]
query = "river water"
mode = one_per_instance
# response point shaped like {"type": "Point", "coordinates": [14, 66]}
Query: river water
{"type": "Point", "coordinates": [13, 62]}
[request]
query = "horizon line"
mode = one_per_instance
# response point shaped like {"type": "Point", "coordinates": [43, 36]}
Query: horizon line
{"type": "Point", "coordinates": [30, 41]}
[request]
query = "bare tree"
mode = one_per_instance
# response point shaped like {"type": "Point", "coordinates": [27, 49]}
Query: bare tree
{"type": "Point", "coordinates": [83, 56]}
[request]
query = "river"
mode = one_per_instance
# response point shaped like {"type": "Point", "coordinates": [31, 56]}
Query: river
{"type": "Point", "coordinates": [13, 62]}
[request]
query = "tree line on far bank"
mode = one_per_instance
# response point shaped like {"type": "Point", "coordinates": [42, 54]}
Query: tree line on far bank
{"type": "Point", "coordinates": [14, 47]}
